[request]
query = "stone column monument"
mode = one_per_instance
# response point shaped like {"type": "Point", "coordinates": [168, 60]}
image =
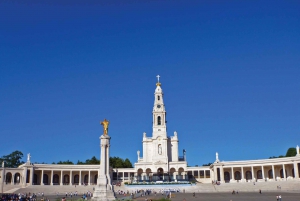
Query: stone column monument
{"type": "Point", "coordinates": [104, 190]}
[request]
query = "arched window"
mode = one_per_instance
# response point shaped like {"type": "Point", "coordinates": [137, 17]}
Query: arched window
{"type": "Point", "coordinates": [158, 97]}
{"type": "Point", "coordinates": [56, 179]}
{"type": "Point", "coordinates": [159, 149]}
{"type": "Point", "coordinates": [158, 120]}
{"type": "Point", "coordinates": [248, 175]}
{"type": "Point", "coordinates": [270, 174]}
{"type": "Point", "coordinates": [76, 179]}
{"type": "Point", "coordinates": [237, 175]}
{"type": "Point", "coordinates": [259, 174]}
{"type": "Point", "coordinates": [86, 179]}
{"type": "Point", "coordinates": [226, 176]}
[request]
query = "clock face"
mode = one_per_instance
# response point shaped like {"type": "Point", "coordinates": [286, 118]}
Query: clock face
{"type": "Point", "coordinates": [158, 106]}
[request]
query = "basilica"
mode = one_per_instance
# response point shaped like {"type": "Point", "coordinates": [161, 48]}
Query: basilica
{"type": "Point", "coordinates": [159, 162]}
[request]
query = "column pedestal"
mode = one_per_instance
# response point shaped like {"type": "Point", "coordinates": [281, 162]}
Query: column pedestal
{"type": "Point", "coordinates": [104, 190]}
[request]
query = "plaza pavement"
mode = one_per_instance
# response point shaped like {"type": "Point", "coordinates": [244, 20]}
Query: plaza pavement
{"type": "Point", "coordinates": [270, 196]}
{"type": "Point", "coordinates": [247, 191]}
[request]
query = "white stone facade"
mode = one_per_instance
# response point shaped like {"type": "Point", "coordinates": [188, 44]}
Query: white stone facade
{"type": "Point", "coordinates": [160, 152]}
{"type": "Point", "coordinates": [159, 160]}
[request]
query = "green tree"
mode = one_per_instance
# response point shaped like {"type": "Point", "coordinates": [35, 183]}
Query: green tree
{"type": "Point", "coordinates": [208, 164]}
{"type": "Point", "coordinates": [116, 162]}
{"type": "Point", "coordinates": [291, 152]}
{"type": "Point", "coordinates": [65, 162]}
{"type": "Point", "coordinates": [127, 163]}
{"type": "Point", "coordinates": [92, 161]}
{"type": "Point", "coordinates": [12, 160]}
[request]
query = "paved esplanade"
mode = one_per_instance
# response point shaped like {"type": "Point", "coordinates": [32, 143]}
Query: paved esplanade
{"type": "Point", "coordinates": [269, 196]}
{"type": "Point", "coordinates": [228, 197]}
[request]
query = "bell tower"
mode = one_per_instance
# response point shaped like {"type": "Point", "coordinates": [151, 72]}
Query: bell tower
{"type": "Point", "coordinates": [159, 113]}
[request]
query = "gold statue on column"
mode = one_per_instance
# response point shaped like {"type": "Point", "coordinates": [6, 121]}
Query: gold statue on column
{"type": "Point", "coordinates": [105, 124]}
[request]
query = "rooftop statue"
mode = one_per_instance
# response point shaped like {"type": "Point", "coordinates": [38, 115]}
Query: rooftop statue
{"type": "Point", "coordinates": [105, 124]}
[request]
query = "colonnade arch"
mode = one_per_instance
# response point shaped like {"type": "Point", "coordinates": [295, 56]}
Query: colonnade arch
{"type": "Point", "coordinates": [259, 174]}
{"type": "Point", "coordinates": [17, 178]}
{"type": "Point", "coordinates": [248, 175]}
{"type": "Point", "coordinates": [76, 179]}
{"type": "Point", "coordinates": [56, 179]}
{"type": "Point", "coordinates": [270, 174]}
{"type": "Point", "coordinates": [8, 178]}
{"type": "Point", "coordinates": [86, 179]}
{"type": "Point", "coordinates": [237, 175]}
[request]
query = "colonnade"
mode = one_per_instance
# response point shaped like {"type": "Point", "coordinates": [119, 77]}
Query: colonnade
{"type": "Point", "coordinates": [253, 173]}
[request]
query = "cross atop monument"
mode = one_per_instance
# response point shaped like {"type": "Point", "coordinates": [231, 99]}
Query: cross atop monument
{"type": "Point", "coordinates": [158, 78]}
{"type": "Point", "coordinates": [158, 83]}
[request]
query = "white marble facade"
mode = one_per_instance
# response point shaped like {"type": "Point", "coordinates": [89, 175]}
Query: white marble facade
{"type": "Point", "coordinates": [160, 152]}
{"type": "Point", "coordinates": [158, 161]}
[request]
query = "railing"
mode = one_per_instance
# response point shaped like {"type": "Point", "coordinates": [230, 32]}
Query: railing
{"type": "Point", "coordinates": [181, 158]}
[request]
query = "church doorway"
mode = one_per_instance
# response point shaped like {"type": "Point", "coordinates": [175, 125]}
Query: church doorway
{"type": "Point", "coordinates": [180, 176]}
{"type": "Point", "coordinates": [160, 173]}
{"type": "Point", "coordinates": [148, 175]}
{"type": "Point", "coordinates": [172, 174]}
{"type": "Point", "coordinates": [139, 175]}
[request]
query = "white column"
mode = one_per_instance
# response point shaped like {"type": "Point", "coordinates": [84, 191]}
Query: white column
{"type": "Point", "coordinates": [42, 177]}
{"type": "Point", "coordinates": [61, 177]}
{"type": "Point", "coordinates": [242, 168]}
{"type": "Point", "coordinates": [296, 171]}
{"type": "Point", "coordinates": [215, 174]}
{"type": "Point", "coordinates": [107, 166]}
{"type": "Point", "coordinates": [31, 175]}
{"type": "Point", "coordinates": [273, 172]}
{"type": "Point", "coordinates": [51, 179]}
{"type": "Point", "coordinates": [222, 174]}
{"type": "Point", "coordinates": [283, 170]}
{"type": "Point", "coordinates": [123, 176]}
{"type": "Point", "coordinates": [232, 174]}
{"type": "Point", "coordinates": [2, 179]}
{"type": "Point", "coordinates": [24, 176]}
{"type": "Point", "coordinates": [12, 179]}
{"type": "Point", "coordinates": [80, 182]}
{"type": "Point", "coordinates": [263, 172]}
{"type": "Point", "coordinates": [252, 173]}
{"type": "Point", "coordinates": [71, 178]}
{"type": "Point", "coordinates": [89, 181]}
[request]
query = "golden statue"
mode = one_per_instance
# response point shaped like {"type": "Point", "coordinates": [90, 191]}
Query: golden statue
{"type": "Point", "coordinates": [105, 124]}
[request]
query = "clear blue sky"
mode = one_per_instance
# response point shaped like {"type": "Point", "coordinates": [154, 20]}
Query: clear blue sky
{"type": "Point", "coordinates": [229, 71]}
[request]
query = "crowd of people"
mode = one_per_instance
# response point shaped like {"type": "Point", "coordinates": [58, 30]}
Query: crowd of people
{"type": "Point", "coordinates": [23, 197]}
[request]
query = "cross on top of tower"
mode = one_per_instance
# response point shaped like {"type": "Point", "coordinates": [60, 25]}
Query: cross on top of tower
{"type": "Point", "coordinates": [158, 83]}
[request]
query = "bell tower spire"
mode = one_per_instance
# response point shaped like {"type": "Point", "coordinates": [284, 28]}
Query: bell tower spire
{"type": "Point", "coordinates": [159, 112]}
